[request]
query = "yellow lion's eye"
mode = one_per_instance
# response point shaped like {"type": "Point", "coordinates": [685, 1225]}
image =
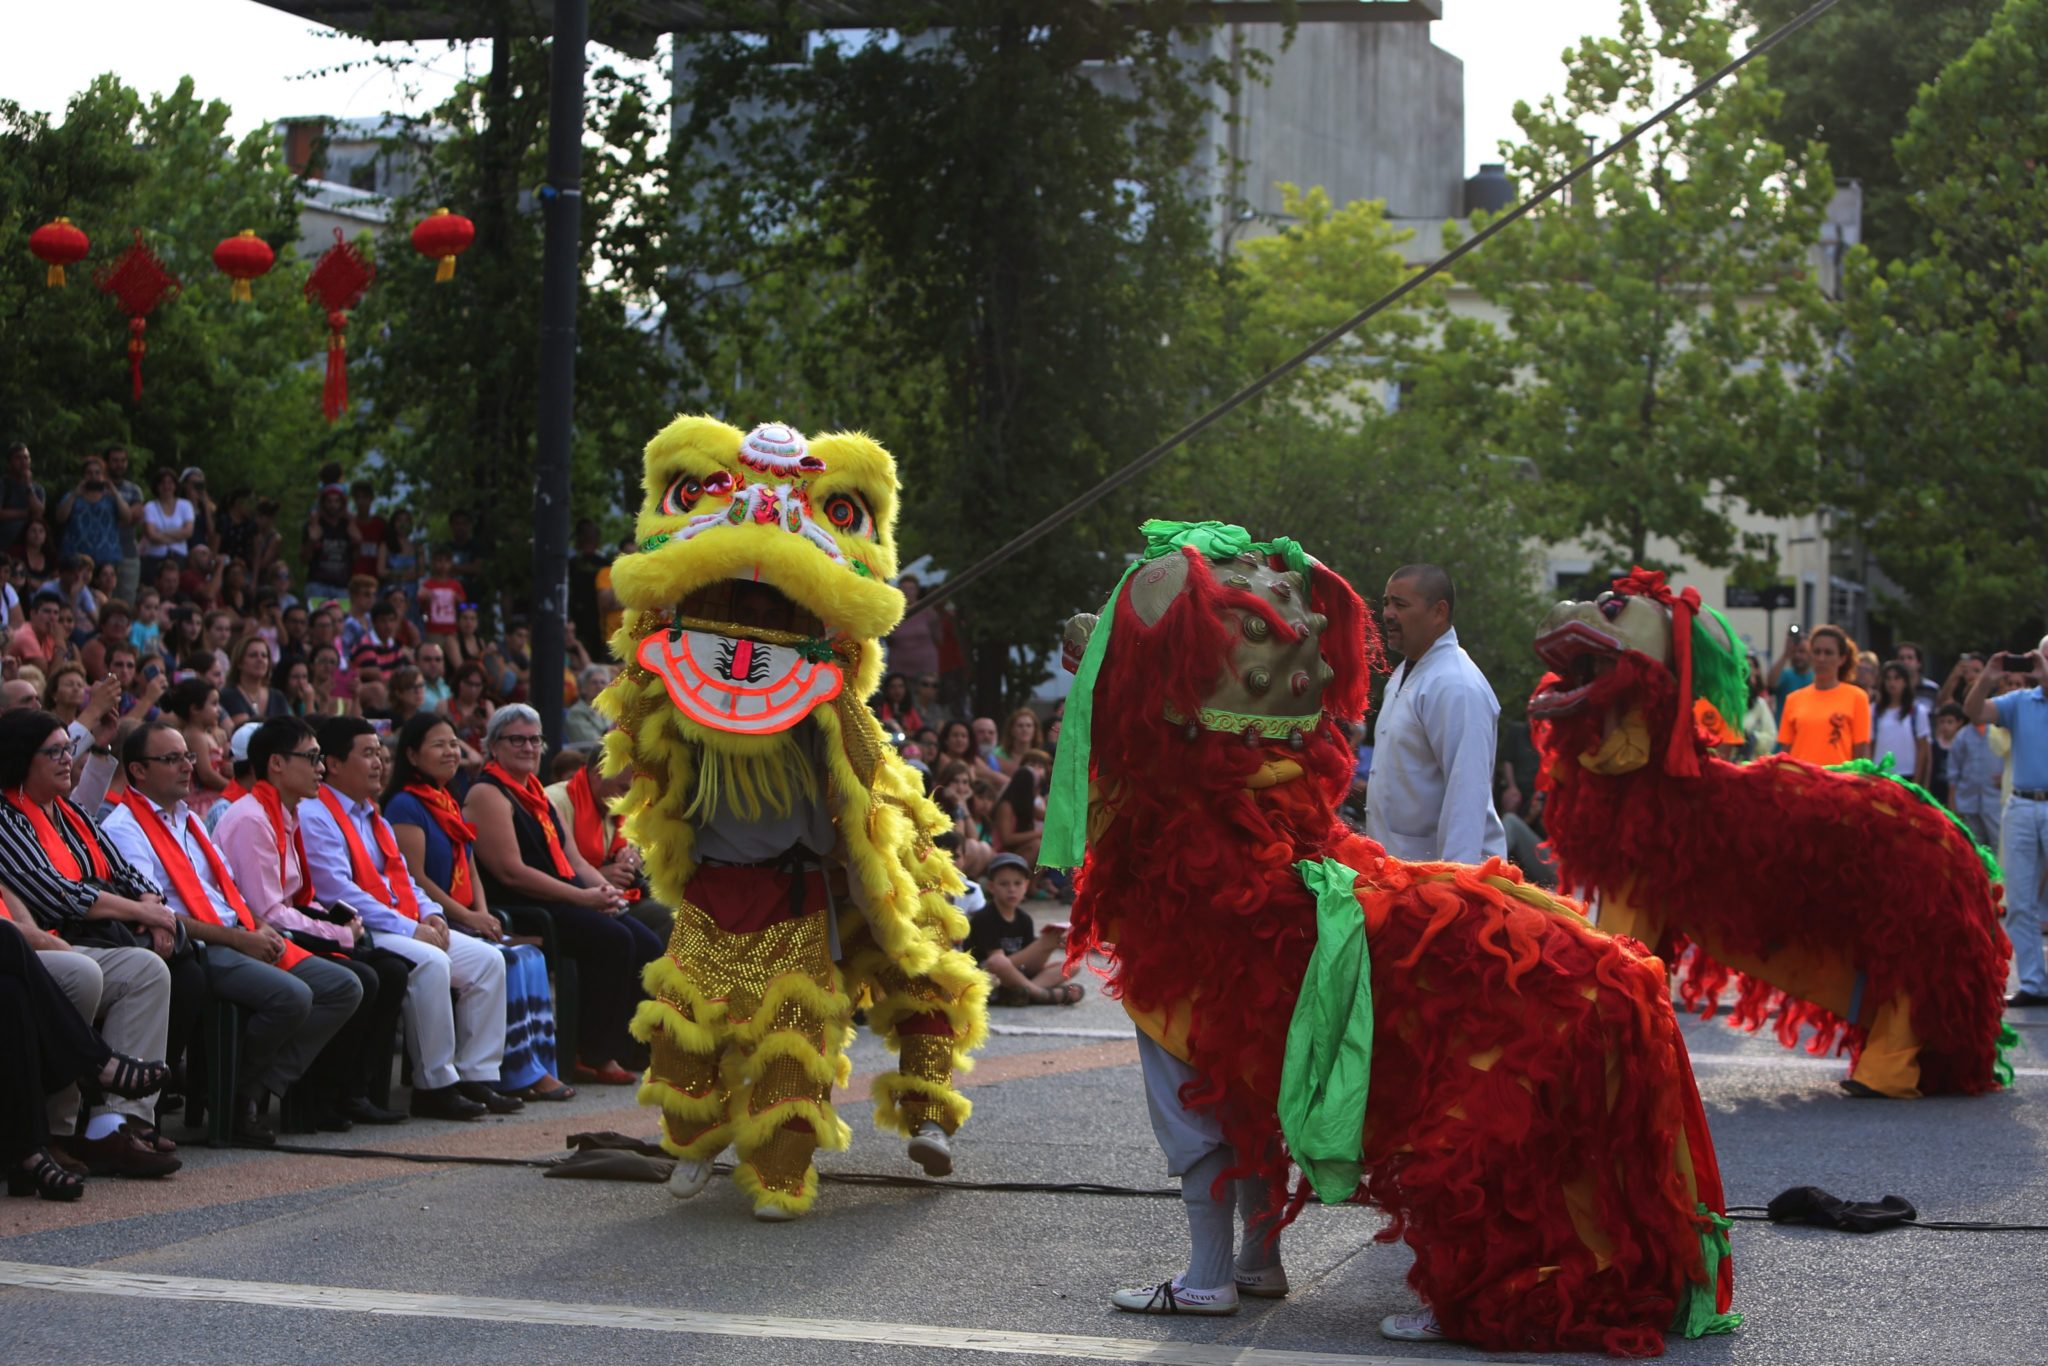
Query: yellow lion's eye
{"type": "Point", "coordinates": [682, 495]}
{"type": "Point", "coordinates": [849, 515]}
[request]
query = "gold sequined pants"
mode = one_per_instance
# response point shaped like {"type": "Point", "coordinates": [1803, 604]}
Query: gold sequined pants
{"type": "Point", "coordinates": [747, 1049]}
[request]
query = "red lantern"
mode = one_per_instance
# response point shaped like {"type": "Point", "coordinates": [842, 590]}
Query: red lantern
{"type": "Point", "coordinates": [138, 282]}
{"type": "Point", "coordinates": [445, 235]}
{"type": "Point", "coordinates": [243, 257]}
{"type": "Point", "coordinates": [339, 279]}
{"type": "Point", "coordinates": [58, 244]}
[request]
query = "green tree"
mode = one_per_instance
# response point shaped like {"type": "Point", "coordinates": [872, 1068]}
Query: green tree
{"type": "Point", "coordinates": [978, 242]}
{"type": "Point", "coordinates": [1850, 81]}
{"type": "Point", "coordinates": [1943, 396]}
{"type": "Point", "coordinates": [446, 372]}
{"type": "Point", "coordinates": [1662, 318]}
{"type": "Point", "coordinates": [1382, 452]}
{"type": "Point", "coordinates": [226, 385]}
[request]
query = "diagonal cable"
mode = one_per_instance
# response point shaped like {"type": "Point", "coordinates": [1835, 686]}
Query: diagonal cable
{"type": "Point", "coordinates": [957, 583]}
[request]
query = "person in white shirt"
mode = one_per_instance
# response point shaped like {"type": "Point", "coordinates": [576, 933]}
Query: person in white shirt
{"type": "Point", "coordinates": [294, 1002]}
{"type": "Point", "coordinates": [354, 858]}
{"type": "Point", "coordinates": [1431, 798]}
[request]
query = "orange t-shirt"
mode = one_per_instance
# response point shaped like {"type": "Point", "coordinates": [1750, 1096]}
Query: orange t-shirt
{"type": "Point", "coordinates": [1825, 727]}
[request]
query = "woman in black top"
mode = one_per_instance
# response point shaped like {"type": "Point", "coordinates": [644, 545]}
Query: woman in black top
{"type": "Point", "coordinates": [527, 858]}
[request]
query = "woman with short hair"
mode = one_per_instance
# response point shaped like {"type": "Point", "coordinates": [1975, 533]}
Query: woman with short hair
{"type": "Point", "coordinates": [439, 847]}
{"type": "Point", "coordinates": [528, 859]}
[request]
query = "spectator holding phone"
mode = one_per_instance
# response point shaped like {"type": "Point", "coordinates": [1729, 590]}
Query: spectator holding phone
{"type": "Point", "coordinates": [2024, 715]}
{"type": "Point", "coordinates": [1792, 669]}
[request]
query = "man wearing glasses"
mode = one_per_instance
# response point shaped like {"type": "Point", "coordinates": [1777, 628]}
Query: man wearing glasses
{"type": "Point", "coordinates": [259, 838]}
{"type": "Point", "coordinates": [354, 859]}
{"type": "Point", "coordinates": [293, 1002]}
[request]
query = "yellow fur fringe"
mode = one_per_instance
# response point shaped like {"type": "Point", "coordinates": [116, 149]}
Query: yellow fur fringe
{"type": "Point", "coordinates": [941, 1103]}
{"type": "Point", "coordinates": [748, 1180]}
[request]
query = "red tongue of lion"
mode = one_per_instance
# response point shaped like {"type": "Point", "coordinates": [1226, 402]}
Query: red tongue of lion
{"type": "Point", "coordinates": [742, 686]}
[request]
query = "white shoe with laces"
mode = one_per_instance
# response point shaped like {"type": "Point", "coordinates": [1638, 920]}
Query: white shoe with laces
{"type": "Point", "coordinates": [689, 1178]}
{"type": "Point", "coordinates": [1171, 1297]}
{"type": "Point", "coordinates": [930, 1149]}
{"type": "Point", "coordinates": [774, 1214]}
{"type": "Point", "coordinates": [1418, 1327]}
{"type": "Point", "coordinates": [1265, 1283]}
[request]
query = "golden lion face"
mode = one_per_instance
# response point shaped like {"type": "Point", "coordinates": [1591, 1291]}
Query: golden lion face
{"type": "Point", "coordinates": [761, 552]}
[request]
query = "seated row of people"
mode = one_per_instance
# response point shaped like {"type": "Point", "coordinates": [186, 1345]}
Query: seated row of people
{"type": "Point", "coordinates": [331, 900]}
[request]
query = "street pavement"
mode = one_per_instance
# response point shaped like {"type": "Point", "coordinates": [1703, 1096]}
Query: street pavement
{"type": "Point", "coordinates": [251, 1256]}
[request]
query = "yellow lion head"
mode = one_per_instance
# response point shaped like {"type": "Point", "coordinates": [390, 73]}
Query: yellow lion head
{"type": "Point", "coordinates": [763, 571]}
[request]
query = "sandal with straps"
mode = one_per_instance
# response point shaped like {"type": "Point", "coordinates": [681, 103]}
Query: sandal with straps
{"type": "Point", "coordinates": [133, 1079]}
{"type": "Point", "coordinates": [1065, 994]}
{"type": "Point", "coordinates": [45, 1179]}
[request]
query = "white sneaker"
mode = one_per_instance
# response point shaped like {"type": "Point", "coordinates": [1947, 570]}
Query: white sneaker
{"type": "Point", "coordinates": [774, 1214]}
{"type": "Point", "coordinates": [1421, 1327]}
{"type": "Point", "coordinates": [1171, 1297]}
{"type": "Point", "coordinates": [930, 1149]}
{"type": "Point", "coordinates": [689, 1178]}
{"type": "Point", "coordinates": [1266, 1283]}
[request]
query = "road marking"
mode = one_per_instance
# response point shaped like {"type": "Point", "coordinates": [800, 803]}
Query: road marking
{"type": "Point", "coordinates": [1768, 1061]}
{"type": "Point", "coordinates": [1051, 1032]}
{"type": "Point", "coordinates": [408, 1304]}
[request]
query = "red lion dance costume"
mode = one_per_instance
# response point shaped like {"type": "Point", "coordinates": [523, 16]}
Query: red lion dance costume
{"type": "Point", "coordinates": [1842, 900]}
{"type": "Point", "coordinates": [1532, 1126]}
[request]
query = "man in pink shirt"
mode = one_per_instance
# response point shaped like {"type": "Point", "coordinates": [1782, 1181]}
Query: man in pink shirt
{"type": "Point", "coordinates": [259, 840]}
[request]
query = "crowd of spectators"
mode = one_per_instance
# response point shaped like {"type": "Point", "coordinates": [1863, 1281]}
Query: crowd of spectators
{"type": "Point", "coordinates": [283, 762]}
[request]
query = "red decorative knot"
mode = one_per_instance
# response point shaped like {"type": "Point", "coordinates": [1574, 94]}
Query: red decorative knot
{"type": "Point", "coordinates": [339, 280]}
{"type": "Point", "coordinates": [444, 236]}
{"type": "Point", "coordinates": [58, 244]}
{"type": "Point", "coordinates": [138, 281]}
{"type": "Point", "coordinates": [242, 258]}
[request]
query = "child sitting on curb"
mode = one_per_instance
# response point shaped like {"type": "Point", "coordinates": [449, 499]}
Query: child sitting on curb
{"type": "Point", "coordinates": [1003, 940]}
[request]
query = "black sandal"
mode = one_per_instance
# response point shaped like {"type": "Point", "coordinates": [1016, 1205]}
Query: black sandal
{"type": "Point", "coordinates": [44, 1179]}
{"type": "Point", "coordinates": [133, 1080]}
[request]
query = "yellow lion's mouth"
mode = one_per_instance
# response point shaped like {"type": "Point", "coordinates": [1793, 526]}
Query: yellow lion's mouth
{"type": "Point", "coordinates": [751, 604]}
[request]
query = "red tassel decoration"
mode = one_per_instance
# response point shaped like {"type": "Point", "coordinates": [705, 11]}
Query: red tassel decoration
{"type": "Point", "coordinates": [139, 282]}
{"type": "Point", "coordinates": [339, 280]}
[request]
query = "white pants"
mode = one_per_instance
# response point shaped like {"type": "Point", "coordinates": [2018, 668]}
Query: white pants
{"type": "Point", "coordinates": [464, 1041]}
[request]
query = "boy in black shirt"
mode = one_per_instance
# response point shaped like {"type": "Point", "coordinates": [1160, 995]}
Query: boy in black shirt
{"type": "Point", "coordinates": [1002, 939]}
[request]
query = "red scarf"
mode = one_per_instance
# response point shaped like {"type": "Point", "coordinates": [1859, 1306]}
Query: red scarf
{"type": "Point", "coordinates": [59, 853]}
{"type": "Point", "coordinates": [233, 792]}
{"type": "Point", "coordinates": [533, 800]}
{"type": "Point", "coordinates": [185, 878]}
{"type": "Point", "coordinates": [588, 828]}
{"type": "Point", "coordinates": [398, 894]}
{"type": "Point", "coordinates": [440, 804]}
{"type": "Point", "coordinates": [289, 851]}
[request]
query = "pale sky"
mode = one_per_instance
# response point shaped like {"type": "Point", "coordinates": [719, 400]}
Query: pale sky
{"type": "Point", "coordinates": [258, 59]}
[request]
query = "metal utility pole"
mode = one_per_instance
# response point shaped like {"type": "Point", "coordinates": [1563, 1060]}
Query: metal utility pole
{"type": "Point", "coordinates": [561, 274]}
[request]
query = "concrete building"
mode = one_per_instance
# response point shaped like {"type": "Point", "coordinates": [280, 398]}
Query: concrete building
{"type": "Point", "coordinates": [350, 173]}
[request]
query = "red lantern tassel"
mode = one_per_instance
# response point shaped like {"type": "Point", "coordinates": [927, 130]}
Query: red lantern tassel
{"type": "Point", "coordinates": [334, 396]}
{"type": "Point", "coordinates": [136, 347]}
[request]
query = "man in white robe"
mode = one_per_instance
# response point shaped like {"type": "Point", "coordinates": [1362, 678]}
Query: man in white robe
{"type": "Point", "coordinates": [1431, 793]}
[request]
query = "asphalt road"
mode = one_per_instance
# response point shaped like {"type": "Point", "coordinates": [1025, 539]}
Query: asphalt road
{"type": "Point", "coordinates": [269, 1257]}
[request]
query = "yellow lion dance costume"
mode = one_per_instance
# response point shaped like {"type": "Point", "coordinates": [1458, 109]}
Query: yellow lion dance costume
{"type": "Point", "coordinates": [796, 847]}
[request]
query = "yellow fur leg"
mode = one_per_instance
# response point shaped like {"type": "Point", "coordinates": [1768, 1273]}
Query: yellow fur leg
{"type": "Point", "coordinates": [779, 1171]}
{"type": "Point", "coordinates": [902, 1103]}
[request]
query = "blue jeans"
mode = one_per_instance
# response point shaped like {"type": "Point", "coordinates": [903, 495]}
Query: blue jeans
{"type": "Point", "coordinates": [2026, 857]}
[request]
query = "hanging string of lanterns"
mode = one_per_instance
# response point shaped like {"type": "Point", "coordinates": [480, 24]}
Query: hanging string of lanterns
{"type": "Point", "coordinates": [139, 282]}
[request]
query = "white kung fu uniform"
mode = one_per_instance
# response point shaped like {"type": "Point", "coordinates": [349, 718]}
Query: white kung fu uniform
{"type": "Point", "coordinates": [1430, 794]}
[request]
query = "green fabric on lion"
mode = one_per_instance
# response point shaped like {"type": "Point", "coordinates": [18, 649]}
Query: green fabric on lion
{"type": "Point", "coordinates": [1697, 1317]}
{"type": "Point", "coordinates": [1064, 842]}
{"type": "Point", "coordinates": [1328, 1068]}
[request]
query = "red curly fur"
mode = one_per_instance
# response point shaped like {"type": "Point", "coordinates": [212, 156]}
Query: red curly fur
{"type": "Point", "coordinates": [1193, 894]}
{"type": "Point", "coordinates": [1778, 855]}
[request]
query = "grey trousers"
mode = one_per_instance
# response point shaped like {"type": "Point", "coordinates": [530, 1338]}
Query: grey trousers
{"type": "Point", "coordinates": [126, 993]}
{"type": "Point", "coordinates": [290, 1016]}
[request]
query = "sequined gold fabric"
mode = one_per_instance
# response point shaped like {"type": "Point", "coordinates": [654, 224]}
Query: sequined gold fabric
{"type": "Point", "coordinates": [784, 1159]}
{"type": "Point", "coordinates": [735, 969]}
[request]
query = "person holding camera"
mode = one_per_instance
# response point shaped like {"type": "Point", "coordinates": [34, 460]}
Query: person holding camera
{"type": "Point", "coordinates": [92, 514]}
{"type": "Point", "coordinates": [2024, 714]}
